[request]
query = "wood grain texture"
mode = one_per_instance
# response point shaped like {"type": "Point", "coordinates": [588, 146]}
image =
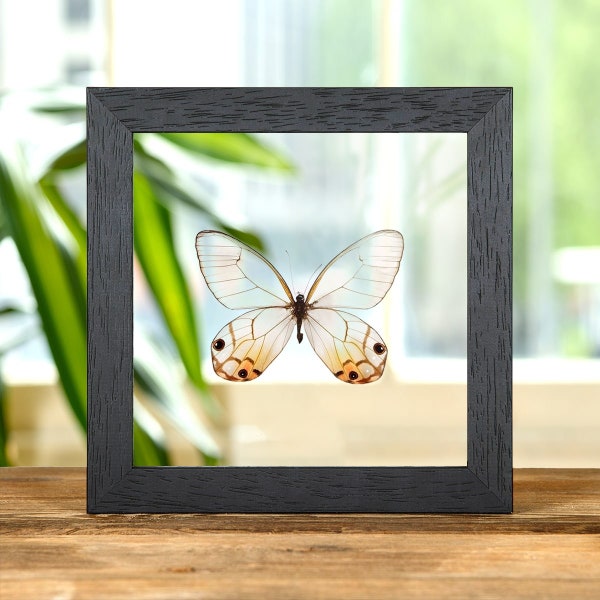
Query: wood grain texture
{"type": "Point", "coordinates": [483, 485]}
{"type": "Point", "coordinates": [299, 109]}
{"type": "Point", "coordinates": [300, 489]}
{"type": "Point", "coordinates": [548, 548]}
{"type": "Point", "coordinates": [489, 304]}
{"type": "Point", "coordinates": [109, 298]}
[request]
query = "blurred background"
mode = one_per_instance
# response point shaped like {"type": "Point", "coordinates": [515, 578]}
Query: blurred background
{"type": "Point", "coordinates": [547, 50]}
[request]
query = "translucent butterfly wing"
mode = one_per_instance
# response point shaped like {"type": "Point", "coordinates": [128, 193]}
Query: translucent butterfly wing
{"type": "Point", "coordinates": [350, 348]}
{"type": "Point", "coordinates": [244, 348]}
{"type": "Point", "coordinates": [361, 275]}
{"type": "Point", "coordinates": [358, 277]}
{"type": "Point", "coordinates": [238, 276]}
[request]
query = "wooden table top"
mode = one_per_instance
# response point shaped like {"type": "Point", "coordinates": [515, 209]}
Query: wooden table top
{"type": "Point", "coordinates": [548, 548]}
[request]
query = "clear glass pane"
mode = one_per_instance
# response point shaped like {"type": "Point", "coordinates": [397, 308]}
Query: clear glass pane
{"type": "Point", "coordinates": [343, 187]}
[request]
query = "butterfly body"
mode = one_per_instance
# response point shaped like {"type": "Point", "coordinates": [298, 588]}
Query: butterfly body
{"type": "Point", "coordinates": [300, 310]}
{"type": "Point", "coordinates": [241, 278]}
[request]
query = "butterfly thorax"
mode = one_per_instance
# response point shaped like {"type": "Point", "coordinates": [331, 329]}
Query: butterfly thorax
{"type": "Point", "coordinates": [299, 310]}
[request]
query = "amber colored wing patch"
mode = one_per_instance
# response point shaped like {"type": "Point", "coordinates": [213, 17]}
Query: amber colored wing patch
{"type": "Point", "coordinates": [350, 348]}
{"type": "Point", "coordinates": [246, 346]}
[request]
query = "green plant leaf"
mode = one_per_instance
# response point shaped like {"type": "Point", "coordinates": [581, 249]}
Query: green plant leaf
{"type": "Point", "coordinates": [163, 180]}
{"type": "Point", "coordinates": [3, 224]}
{"type": "Point", "coordinates": [4, 462]}
{"type": "Point", "coordinates": [244, 236]}
{"type": "Point", "coordinates": [7, 309]}
{"type": "Point", "coordinates": [146, 159]}
{"type": "Point", "coordinates": [73, 157]}
{"type": "Point", "coordinates": [50, 276]}
{"type": "Point", "coordinates": [79, 235]}
{"type": "Point", "coordinates": [156, 375]}
{"type": "Point", "coordinates": [155, 250]}
{"type": "Point", "coordinates": [63, 109]}
{"type": "Point", "coordinates": [170, 190]}
{"type": "Point", "coordinates": [238, 148]}
{"type": "Point", "coordinates": [149, 447]}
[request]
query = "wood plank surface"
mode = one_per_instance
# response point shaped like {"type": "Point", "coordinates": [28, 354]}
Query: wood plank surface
{"type": "Point", "coordinates": [548, 548]}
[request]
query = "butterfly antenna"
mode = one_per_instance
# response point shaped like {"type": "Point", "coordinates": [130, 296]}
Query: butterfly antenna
{"type": "Point", "coordinates": [291, 271]}
{"type": "Point", "coordinates": [313, 274]}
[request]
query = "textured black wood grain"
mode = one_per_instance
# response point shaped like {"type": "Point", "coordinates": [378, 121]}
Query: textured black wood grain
{"type": "Point", "coordinates": [110, 299]}
{"type": "Point", "coordinates": [299, 109]}
{"type": "Point", "coordinates": [483, 485]}
{"type": "Point", "coordinates": [301, 490]}
{"type": "Point", "coordinates": [489, 293]}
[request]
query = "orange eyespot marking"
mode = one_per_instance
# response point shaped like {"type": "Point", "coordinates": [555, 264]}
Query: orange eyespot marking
{"type": "Point", "coordinates": [246, 370]}
{"type": "Point", "coordinates": [350, 374]}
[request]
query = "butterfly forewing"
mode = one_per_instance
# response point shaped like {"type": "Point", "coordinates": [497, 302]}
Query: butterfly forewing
{"type": "Point", "coordinates": [350, 348]}
{"type": "Point", "coordinates": [361, 275]}
{"type": "Point", "coordinates": [238, 276]}
{"type": "Point", "coordinates": [244, 348]}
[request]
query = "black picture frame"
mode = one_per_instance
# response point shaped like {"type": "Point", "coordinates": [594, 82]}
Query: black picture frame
{"type": "Point", "coordinates": [114, 485]}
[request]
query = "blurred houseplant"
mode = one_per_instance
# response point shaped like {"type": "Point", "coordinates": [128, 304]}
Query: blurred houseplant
{"type": "Point", "coordinates": [51, 240]}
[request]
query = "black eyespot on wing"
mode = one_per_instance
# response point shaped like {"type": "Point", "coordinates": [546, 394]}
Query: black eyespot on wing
{"type": "Point", "coordinates": [219, 344]}
{"type": "Point", "coordinates": [353, 375]}
{"type": "Point", "coordinates": [243, 373]}
{"type": "Point", "coordinates": [379, 348]}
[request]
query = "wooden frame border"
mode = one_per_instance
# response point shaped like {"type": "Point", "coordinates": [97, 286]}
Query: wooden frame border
{"type": "Point", "coordinates": [484, 485]}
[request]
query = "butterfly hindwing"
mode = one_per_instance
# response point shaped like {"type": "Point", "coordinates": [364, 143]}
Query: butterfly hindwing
{"type": "Point", "coordinates": [246, 346]}
{"type": "Point", "coordinates": [350, 348]}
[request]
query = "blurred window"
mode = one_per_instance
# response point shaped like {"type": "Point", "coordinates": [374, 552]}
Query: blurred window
{"type": "Point", "coordinates": [78, 71]}
{"type": "Point", "coordinates": [78, 11]}
{"type": "Point", "coordinates": [545, 49]}
{"type": "Point", "coordinates": [347, 185]}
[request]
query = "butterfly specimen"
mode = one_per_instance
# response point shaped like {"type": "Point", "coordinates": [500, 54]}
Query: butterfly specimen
{"type": "Point", "coordinates": [241, 278]}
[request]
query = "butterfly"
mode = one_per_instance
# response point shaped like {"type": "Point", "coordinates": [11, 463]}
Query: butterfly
{"type": "Point", "coordinates": [357, 278]}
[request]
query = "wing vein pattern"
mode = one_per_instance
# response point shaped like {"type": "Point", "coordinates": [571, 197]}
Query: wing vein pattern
{"type": "Point", "coordinates": [358, 277]}
{"type": "Point", "coordinates": [238, 276]}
